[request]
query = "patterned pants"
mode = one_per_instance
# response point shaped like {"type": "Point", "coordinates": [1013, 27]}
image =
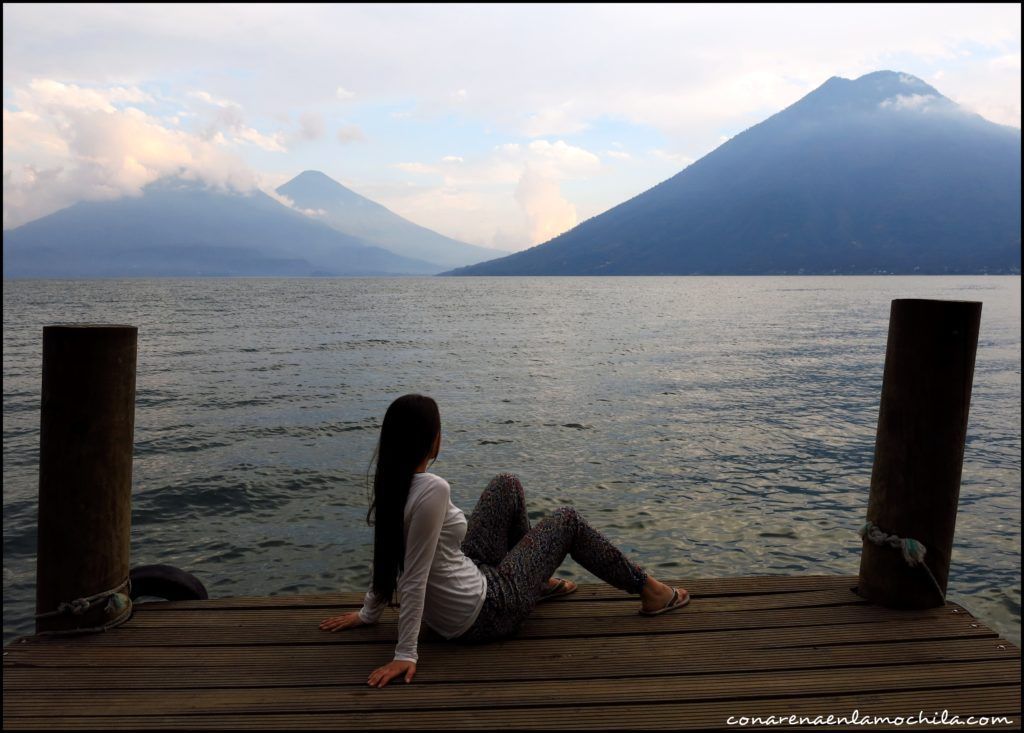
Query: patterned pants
{"type": "Point", "coordinates": [518, 560]}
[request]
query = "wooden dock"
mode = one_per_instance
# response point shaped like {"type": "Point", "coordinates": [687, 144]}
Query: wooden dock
{"type": "Point", "coordinates": [756, 646]}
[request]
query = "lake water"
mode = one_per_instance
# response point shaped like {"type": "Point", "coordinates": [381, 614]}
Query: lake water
{"type": "Point", "coordinates": [709, 426]}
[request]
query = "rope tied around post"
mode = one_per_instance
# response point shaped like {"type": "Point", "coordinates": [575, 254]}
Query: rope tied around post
{"type": "Point", "coordinates": [913, 551]}
{"type": "Point", "coordinates": [79, 606]}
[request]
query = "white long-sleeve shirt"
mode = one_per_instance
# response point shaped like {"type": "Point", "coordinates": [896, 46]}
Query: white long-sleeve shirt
{"type": "Point", "coordinates": [439, 585]}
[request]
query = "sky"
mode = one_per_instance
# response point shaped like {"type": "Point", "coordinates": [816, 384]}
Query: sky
{"type": "Point", "coordinates": [498, 125]}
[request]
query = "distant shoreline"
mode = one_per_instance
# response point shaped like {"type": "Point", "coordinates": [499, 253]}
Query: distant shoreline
{"type": "Point", "coordinates": [7, 278]}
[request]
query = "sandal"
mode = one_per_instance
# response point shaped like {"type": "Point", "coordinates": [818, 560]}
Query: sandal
{"type": "Point", "coordinates": [676, 601]}
{"type": "Point", "coordinates": [561, 588]}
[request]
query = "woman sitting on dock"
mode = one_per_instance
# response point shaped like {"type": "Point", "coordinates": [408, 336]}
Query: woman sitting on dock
{"type": "Point", "coordinates": [469, 583]}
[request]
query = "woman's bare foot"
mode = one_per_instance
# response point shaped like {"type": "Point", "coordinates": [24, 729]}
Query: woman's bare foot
{"type": "Point", "coordinates": [655, 595]}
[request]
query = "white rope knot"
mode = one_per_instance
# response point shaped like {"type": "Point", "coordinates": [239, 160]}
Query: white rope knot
{"type": "Point", "coordinates": [79, 606]}
{"type": "Point", "coordinates": [912, 550]}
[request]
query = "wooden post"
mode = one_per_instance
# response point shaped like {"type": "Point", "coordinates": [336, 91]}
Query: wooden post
{"type": "Point", "coordinates": [85, 474]}
{"type": "Point", "coordinates": [919, 448]}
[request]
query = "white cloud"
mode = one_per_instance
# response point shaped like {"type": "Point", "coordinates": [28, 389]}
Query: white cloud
{"type": "Point", "coordinates": [28, 134]}
{"type": "Point", "coordinates": [547, 211]}
{"type": "Point", "coordinates": [1006, 62]}
{"type": "Point", "coordinates": [638, 62]}
{"type": "Point", "coordinates": [350, 134]}
{"type": "Point", "coordinates": [66, 144]}
{"type": "Point", "coordinates": [415, 167]}
{"type": "Point", "coordinates": [618, 154]}
{"type": "Point", "coordinates": [696, 73]}
{"type": "Point", "coordinates": [278, 197]}
{"type": "Point", "coordinates": [679, 159]}
{"type": "Point", "coordinates": [562, 159]}
{"type": "Point", "coordinates": [561, 119]}
{"type": "Point", "coordinates": [273, 143]}
{"type": "Point", "coordinates": [228, 126]}
{"type": "Point", "coordinates": [908, 101]}
{"type": "Point", "coordinates": [48, 93]}
{"type": "Point", "coordinates": [311, 126]}
{"type": "Point", "coordinates": [528, 177]}
{"type": "Point", "coordinates": [268, 187]}
{"type": "Point", "coordinates": [211, 100]}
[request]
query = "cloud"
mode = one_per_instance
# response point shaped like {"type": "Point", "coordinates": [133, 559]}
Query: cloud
{"type": "Point", "coordinates": [562, 160]}
{"type": "Point", "coordinates": [547, 211]}
{"type": "Point", "coordinates": [909, 101]}
{"type": "Point", "coordinates": [279, 197]}
{"type": "Point", "coordinates": [211, 100]}
{"type": "Point", "coordinates": [50, 94]}
{"type": "Point", "coordinates": [415, 167]}
{"type": "Point", "coordinates": [273, 143]}
{"type": "Point", "coordinates": [538, 192]}
{"type": "Point", "coordinates": [596, 70]}
{"type": "Point", "coordinates": [1006, 62]}
{"type": "Point", "coordinates": [228, 125]}
{"type": "Point", "coordinates": [618, 154]}
{"type": "Point", "coordinates": [30, 193]}
{"type": "Point", "coordinates": [518, 185]}
{"type": "Point", "coordinates": [560, 119]}
{"type": "Point", "coordinates": [350, 134]}
{"type": "Point", "coordinates": [66, 144]}
{"type": "Point", "coordinates": [679, 159]}
{"type": "Point", "coordinates": [270, 189]}
{"type": "Point", "coordinates": [27, 132]}
{"type": "Point", "coordinates": [696, 74]}
{"type": "Point", "coordinates": [311, 126]}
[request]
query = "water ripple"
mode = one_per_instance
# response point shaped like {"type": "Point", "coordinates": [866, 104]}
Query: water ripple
{"type": "Point", "coordinates": [710, 426]}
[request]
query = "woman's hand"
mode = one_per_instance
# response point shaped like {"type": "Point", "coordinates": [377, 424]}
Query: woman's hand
{"type": "Point", "coordinates": [382, 675]}
{"type": "Point", "coordinates": [345, 621]}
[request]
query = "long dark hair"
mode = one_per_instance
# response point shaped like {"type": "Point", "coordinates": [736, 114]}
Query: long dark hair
{"type": "Point", "coordinates": [411, 427]}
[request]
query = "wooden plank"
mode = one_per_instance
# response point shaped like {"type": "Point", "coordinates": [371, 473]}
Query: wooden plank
{"type": "Point", "coordinates": [311, 672]}
{"type": "Point", "coordinates": [157, 613]}
{"type": "Point", "coordinates": [703, 587]}
{"type": "Point", "coordinates": [69, 652]}
{"type": "Point", "coordinates": [305, 665]}
{"type": "Point", "coordinates": [661, 689]}
{"type": "Point", "coordinates": [697, 643]}
{"type": "Point", "coordinates": [587, 660]}
{"type": "Point", "coordinates": [713, 715]}
{"type": "Point", "coordinates": [271, 630]}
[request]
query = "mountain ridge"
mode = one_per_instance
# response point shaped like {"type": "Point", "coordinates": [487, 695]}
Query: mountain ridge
{"type": "Point", "coordinates": [856, 177]}
{"type": "Point", "coordinates": [182, 228]}
{"type": "Point", "coordinates": [355, 215]}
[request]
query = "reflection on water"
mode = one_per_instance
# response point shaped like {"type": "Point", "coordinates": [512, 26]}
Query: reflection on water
{"type": "Point", "coordinates": [709, 426]}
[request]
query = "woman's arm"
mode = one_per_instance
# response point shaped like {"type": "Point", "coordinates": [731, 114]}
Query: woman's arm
{"type": "Point", "coordinates": [426, 520]}
{"type": "Point", "coordinates": [373, 607]}
{"type": "Point", "coordinates": [421, 544]}
{"type": "Point", "coordinates": [425, 523]}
